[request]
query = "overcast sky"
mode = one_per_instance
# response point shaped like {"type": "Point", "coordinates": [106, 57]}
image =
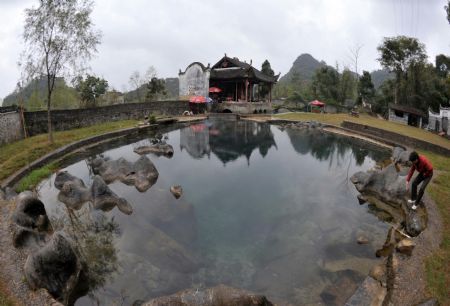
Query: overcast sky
{"type": "Point", "coordinates": [170, 34]}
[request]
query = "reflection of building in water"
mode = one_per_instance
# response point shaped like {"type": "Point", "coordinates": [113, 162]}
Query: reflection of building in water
{"type": "Point", "coordinates": [228, 140]}
{"type": "Point", "coordinates": [195, 139]}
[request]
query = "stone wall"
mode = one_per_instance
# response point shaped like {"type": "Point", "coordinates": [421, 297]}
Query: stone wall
{"type": "Point", "coordinates": [397, 138]}
{"type": "Point", "coordinates": [10, 125]}
{"type": "Point", "coordinates": [36, 122]}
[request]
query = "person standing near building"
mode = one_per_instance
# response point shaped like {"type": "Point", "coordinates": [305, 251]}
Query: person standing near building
{"type": "Point", "coordinates": [425, 169]}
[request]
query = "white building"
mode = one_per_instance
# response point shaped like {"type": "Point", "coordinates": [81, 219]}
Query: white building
{"type": "Point", "coordinates": [439, 122]}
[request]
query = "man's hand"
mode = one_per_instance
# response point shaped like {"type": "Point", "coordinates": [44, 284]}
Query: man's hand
{"type": "Point", "coordinates": [407, 185]}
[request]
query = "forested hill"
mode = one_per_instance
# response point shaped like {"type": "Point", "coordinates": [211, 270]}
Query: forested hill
{"type": "Point", "coordinates": [302, 69]}
{"type": "Point", "coordinates": [305, 66]}
{"type": "Point", "coordinates": [34, 96]}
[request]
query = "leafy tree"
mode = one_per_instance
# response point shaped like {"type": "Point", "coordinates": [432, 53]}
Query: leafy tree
{"type": "Point", "coordinates": [325, 85]}
{"type": "Point", "coordinates": [155, 88]}
{"type": "Point", "coordinates": [366, 88]}
{"type": "Point", "coordinates": [90, 89]}
{"type": "Point", "coordinates": [267, 70]}
{"type": "Point", "coordinates": [447, 10]}
{"type": "Point", "coordinates": [397, 54]}
{"type": "Point", "coordinates": [442, 65]}
{"type": "Point", "coordinates": [347, 85]}
{"type": "Point", "coordinates": [59, 38]}
{"type": "Point", "coordinates": [383, 97]}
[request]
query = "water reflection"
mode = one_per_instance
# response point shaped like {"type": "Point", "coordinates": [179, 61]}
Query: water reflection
{"type": "Point", "coordinates": [323, 146]}
{"type": "Point", "coordinates": [243, 226]}
{"type": "Point", "coordinates": [228, 140]}
{"type": "Point", "coordinates": [92, 233]}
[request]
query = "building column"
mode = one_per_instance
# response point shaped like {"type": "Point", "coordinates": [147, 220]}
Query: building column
{"type": "Point", "coordinates": [246, 90]}
{"type": "Point", "coordinates": [270, 93]}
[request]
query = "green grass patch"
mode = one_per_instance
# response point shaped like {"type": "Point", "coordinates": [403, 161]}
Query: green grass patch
{"type": "Point", "coordinates": [16, 155]}
{"type": "Point", "coordinates": [437, 266]}
{"type": "Point", "coordinates": [31, 180]}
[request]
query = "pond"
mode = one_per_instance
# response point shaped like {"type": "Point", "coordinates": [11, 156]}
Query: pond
{"type": "Point", "coordinates": [263, 208]}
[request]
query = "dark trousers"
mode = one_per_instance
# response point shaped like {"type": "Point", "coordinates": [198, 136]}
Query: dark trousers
{"type": "Point", "coordinates": [419, 179]}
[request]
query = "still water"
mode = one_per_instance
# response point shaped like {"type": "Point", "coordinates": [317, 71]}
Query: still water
{"type": "Point", "coordinates": [264, 209]}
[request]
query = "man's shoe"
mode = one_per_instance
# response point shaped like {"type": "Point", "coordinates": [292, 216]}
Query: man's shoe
{"type": "Point", "coordinates": [411, 202]}
{"type": "Point", "coordinates": [414, 207]}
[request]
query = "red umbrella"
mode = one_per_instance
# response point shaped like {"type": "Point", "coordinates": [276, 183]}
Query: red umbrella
{"type": "Point", "coordinates": [215, 89]}
{"type": "Point", "coordinates": [197, 99]}
{"type": "Point", "coordinates": [316, 103]}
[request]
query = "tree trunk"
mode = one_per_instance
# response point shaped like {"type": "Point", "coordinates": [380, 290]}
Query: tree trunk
{"type": "Point", "coordinates": [49, 119]}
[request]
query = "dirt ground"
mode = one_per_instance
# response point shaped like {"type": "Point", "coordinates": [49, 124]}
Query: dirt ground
{"type": "Point", "coordinates": [12, 261]}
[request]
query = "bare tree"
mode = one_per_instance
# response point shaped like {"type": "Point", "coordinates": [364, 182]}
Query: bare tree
{"type": "Point", "coordinates": [137, 81]}
{"type": "Point", "coordinates": [59, 39]}
{"type": "Point", "coordinates": [354, 56]}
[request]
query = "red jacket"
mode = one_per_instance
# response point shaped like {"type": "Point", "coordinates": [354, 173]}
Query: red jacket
{"type": "Point", "coordinates": [422, 166]}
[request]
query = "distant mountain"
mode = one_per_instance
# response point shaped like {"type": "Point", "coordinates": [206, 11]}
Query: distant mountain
{"type": "Point", "coordinates": [138, 95]}
{"type": "Point", "coordinates": [34, 95]}
{"type": "Point", "coordinates": [303, 67]}
{"type": "Point", "coordinates": [379, 76]}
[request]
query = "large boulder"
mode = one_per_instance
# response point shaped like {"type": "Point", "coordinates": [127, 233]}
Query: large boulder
{"type": "Point", "coordinates": [72, 190]}
{"type": "Point", "coordinates": [142, 173]}
{"type": "Point", "coordinates": [29, 220]}
{"type": "Point", "coordinates": [387, 185]}
{"type": "Point", "coordinates": [416, 222]}
{"type": "Point", "coordinates": [401, 156]}
{"type": "Point", "coordinates": [56, 268]}
{"type": "Point", "coordinates": [216, 296]}
{"type": "Point", "coordinates": [158, 149]}
{"type": "Point", "coordinates": [105, 199]}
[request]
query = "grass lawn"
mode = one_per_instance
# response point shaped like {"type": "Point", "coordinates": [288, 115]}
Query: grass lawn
{"type": "Point", "coordinates": [16, 155]}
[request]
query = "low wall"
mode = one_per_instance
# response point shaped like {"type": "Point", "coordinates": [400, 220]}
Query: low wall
{"type": "Point", "coordinates": [10, 126]}
{"type": "Point", "coordinates": [394, 137]}
{"type": "Point", "coordinates": [245, 107]}
{"type": "Point", "coordinates": [36, 122]}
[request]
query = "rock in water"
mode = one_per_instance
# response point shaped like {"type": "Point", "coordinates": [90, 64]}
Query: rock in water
{"type": "Point", "coordinates": [387, 185]}
{"type": "Point", "coordinates": [105, 199]}
{"type": "Point", "coordinates": [405, 246]}
{"type": "Point", "coordinates": [177, 191]}
{"type": "Point", "coordinates": [142, 173]}
{"type": "Point", "coordinates": [157, 149]}
{"type": "Point", "coordinates": [73, 192]}
{"type": "Point", "coordinates": [362, 240]}
{"type": "Point", "coordinates": [219, 295]}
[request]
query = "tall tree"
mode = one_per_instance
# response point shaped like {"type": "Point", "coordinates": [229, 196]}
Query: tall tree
{"type": "Point", "coordinates": [90, 88]}
{"type": "Point", "coordinates": [447, 10]}
{"type": "Point", "coordinates": [138, 82]}
{"type": "Point", "coordinates": [325, 84]}
{"type": "Point", "coordinates": [366, 88]}
{"type": "Point", "coordinates": [397, 54]}
{"type": "Point", "coordinates": [442, 65]}
{"type": "Point", "coordinates": [59, 38]}
{"type": "Point", "coordinates": [267, 70]}
{"type": "Point", "coordinates": [155, 88]}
